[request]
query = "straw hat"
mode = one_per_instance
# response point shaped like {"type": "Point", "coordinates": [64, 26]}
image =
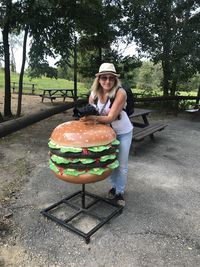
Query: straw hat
{"type": "Point", "coordinates": [107, 68]}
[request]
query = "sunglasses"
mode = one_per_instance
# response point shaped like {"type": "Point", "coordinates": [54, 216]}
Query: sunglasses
{"type": "Point", "coordinates": [105, 78]}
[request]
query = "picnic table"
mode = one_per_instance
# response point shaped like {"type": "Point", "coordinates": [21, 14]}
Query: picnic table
{"type": "Point", "coordinates": [144, 128]}
{"type": "Point", "coordinates": [52, 94]}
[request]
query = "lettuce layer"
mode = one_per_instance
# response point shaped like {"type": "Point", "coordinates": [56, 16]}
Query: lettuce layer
{"type": "Point", "coordinates": [74, 172]}
{"type": "Point", "coordinates": [61, 160]}
{"type": "Point", "coordinates": [65, 149]}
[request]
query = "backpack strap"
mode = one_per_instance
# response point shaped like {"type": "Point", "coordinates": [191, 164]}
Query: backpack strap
{"type": "Point", "coordinates": [102, 109]}
{"type": "Point", "coordinates": [112, 100]}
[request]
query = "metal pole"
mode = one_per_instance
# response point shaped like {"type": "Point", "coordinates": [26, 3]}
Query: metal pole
{"type": "Point", "coordinates": [83, 196]}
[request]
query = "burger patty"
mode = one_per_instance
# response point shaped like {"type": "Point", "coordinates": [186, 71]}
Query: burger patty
{"type": "Point", "coordinates": [81, 154]}
{"type": "Point", "coordinates": [81, 166]}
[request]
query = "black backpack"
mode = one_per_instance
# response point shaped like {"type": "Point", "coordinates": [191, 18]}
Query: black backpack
{"type": "Point", "coordinates": [130, 100]}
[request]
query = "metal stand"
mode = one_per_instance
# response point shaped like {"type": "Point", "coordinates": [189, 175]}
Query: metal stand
{"type": "Point", "coordinates": [82, 209]}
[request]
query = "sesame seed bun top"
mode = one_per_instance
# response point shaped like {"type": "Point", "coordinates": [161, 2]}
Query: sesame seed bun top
{"type": "Point", "coordinates": [80, 134]}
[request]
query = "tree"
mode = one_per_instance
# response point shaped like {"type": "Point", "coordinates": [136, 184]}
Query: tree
{"type": "Point", "coordinates": [8, 20]}
{"type": "Point", "coordinates": [95, 23]}
{"type": "Point", "coordinates": [53, 34]}
{"type": "Point", "coordinates": [96, 42]}
{"type": "Point", "coordinates": [167, 32]}
{"type": "Point", "coordinates": [100, 32]}
{"type": "Point", "coordinates": [22, 73]}
{"type": "Point", "coordinates": [149, 76]}
{"type": "Point", "coordinates": [5, 24]}
{"type": "Point", "coordinates": [20, 16]}
{"type": "Point", "coordinates": [26, 19]}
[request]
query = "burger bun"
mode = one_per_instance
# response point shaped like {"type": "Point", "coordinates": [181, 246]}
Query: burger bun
{"type": "Point", "coordinates": [81, 134]}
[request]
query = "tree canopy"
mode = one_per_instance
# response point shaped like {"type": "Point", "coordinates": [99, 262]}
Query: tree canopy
{"type": "Point", "coordinates": [167, 32]}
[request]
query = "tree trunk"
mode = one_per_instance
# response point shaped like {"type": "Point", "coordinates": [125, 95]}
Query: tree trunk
{"type": "Point", "coordinates": [173, 87]}
{"type": "Point", "coordinates": [100, 55]}
{"type": "Point", "coordinates": [75, 68]}
{"type": "Point", "coordinates": [166, 77]}
{"type": "Point", "coordinates": [21, 76]}
{"type": "Point", "coordinates": [7, 99]}
{"type": "Point", "coordinates": [14, 125]}
{"type": "Point", "coordinates": [166, 42]}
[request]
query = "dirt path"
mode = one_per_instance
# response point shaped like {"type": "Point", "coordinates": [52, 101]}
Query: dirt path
{"type": "Point", "coordinates": [30, 103]}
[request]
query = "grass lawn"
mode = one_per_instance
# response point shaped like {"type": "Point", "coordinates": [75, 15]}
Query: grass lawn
{"type": "Point", "coordinates": [43, 83]}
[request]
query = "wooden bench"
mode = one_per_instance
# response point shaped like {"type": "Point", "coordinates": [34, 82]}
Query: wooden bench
{"type": "Point", "coordinates": [144, 128]}
{"type": "Point", "coordinates": [140, 133]}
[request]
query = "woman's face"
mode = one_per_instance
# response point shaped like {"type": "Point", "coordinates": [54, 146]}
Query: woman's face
{"type": "Point", "coordinates": [107, 81]}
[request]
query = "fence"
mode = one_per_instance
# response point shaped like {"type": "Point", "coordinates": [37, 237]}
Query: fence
{"type": "Point", "coordinates": [28, 88]}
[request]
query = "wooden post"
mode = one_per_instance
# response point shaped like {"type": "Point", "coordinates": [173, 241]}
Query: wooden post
{"type": "Point", "coordinates": [13, 87]}
{"type": "Point", "coordinates": [33, 88]}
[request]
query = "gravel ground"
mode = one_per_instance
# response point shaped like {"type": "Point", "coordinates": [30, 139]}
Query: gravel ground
{"type": "Point", "coordinates": [158, 227]}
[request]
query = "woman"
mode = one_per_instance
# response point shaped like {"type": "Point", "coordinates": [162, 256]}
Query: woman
{"type": "Point", "coordinates": [106, 86]}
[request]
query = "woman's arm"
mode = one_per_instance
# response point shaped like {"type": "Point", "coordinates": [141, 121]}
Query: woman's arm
{"type": "Point", "coordinates": [91, 99]}
{"type": "Point", "coordinates": [115, 110]}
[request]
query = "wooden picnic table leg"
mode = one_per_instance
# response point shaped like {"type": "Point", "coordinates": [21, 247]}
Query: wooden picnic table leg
{"type": "Point", "coordinates": [42, 97]}
{"type": "Point", "coordinates": [51, 97]}
{"type": "Point", "coordinates": [144, 117]}
{"type": "Point", "coordinates": [64, 96]}
{"type": "Point", "coordinates": [146, 122]}
{"type": "Point", "coordinates": [152, 137]}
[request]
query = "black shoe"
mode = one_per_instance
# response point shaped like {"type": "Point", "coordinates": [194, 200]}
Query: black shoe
{"type": "Point", "coordinates": [111, 193]}
{"type": "Point", "coordinates": [119, 198]}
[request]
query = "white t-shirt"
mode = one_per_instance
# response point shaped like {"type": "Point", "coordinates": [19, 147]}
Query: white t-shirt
{"type": "Point", "coordinates": [120, 126]}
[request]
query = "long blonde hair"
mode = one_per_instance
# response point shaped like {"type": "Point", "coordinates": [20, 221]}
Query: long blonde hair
{"type": "Point", "coordinates": [97, 89]}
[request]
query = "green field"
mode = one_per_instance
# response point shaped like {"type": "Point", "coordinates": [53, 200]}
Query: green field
{"type": "Point", "coordinates": [43, 83]}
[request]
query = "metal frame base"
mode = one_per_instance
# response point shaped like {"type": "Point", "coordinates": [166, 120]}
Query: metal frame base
{"type": "Point", "coordinates": [84, 210]}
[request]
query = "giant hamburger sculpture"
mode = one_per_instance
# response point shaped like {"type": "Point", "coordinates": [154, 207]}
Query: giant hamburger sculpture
{"type": "Point", "coordinates": [83, 153]}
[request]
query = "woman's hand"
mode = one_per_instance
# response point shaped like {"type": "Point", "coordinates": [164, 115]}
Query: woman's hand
{"type": "Point", "coordinates": [89, 119]}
